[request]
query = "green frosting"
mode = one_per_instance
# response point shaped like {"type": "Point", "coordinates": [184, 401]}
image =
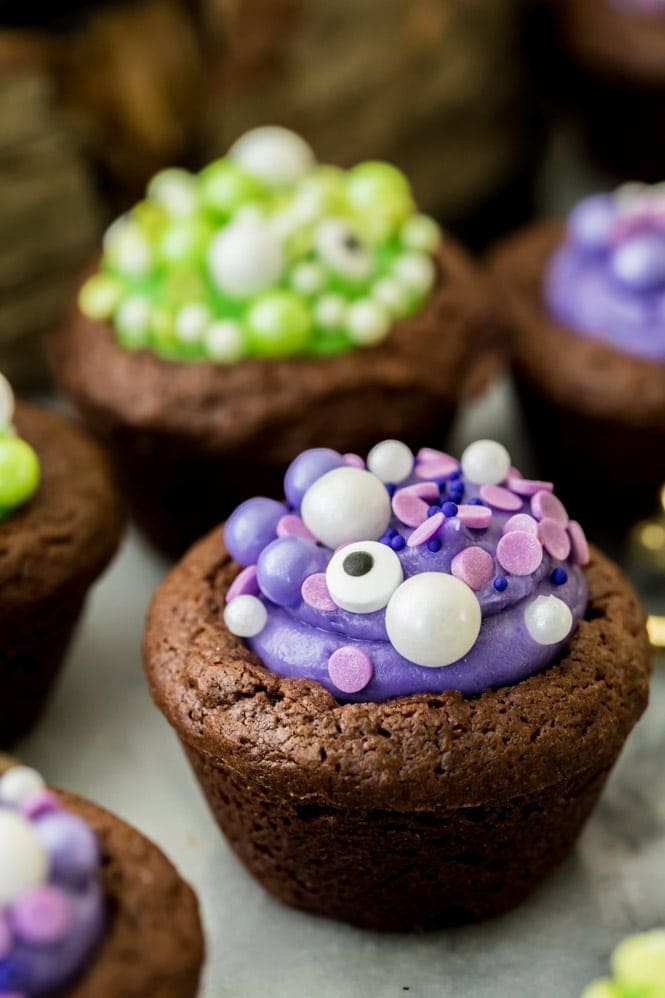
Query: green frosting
{"type": "Point", "coordinates": [19, 465]}
{"type": "Point", "coordinates": [638, 966]}
{"type": "Point", "coordinates": [264, 253]}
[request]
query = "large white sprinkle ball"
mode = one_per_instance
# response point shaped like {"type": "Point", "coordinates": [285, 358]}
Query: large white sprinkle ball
{"type": "Point", "coordinates": [344, 505]}
{"type": "Point", "coordinates": [485, 462]}
{"type": "Point", "coordinates": [18, 784]}
{"type": "Point", "coordinates": [245, 616]}
{"type": "Point", "coordinates": [274, 155]}
{"type": "Point", "coordinates": [245, 258]}
{"type": "Point", "coordinates": [23, 860]}
{"type": "Point", "coordinates": [548, 620]}
{"type": "Point", "coordinates": [433, 619]}
{"type": "Point", "coordinates": [391, 461]}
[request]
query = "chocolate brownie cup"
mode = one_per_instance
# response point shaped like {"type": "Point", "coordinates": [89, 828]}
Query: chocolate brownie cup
{"type": "Point", "coordinates": [52, 548]}
{"type": "Point", "coordinates": [585, 307]}
{"type": "Point", "coordinates": [263, 306]}
{"type": "Point", "coordinates": [88, 906]}
{"type": "Point", "coordinates": [430, 692]}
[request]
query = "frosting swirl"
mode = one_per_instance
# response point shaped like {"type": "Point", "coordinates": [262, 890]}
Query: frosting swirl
{"type": "Point", "coordinates": [407, 574]}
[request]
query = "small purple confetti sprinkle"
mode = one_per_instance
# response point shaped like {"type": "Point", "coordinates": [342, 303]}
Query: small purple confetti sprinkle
{"type": "Point", "coordinates": [578, 543]}
{"type": "Point", "coordinates": [559, 576]}
{"type": "Point", "coordinates": [398, 542]}
{"type": "Point", "coordinates": [501, 583]}
{"type": "Point", "coordinates": [426, 530]}
{"type": "Point", "coordinates": [554, 538]}
{"type": "Point", "coordinates": [521, 521]}
{"type": "Point", "coordinates": [545, 504]}
{"type": "Point", "coordinates": [519, 552]}
{"type": "Point", "coordinates": [350, 669]}
{"type": "Point", "coordinates": [41, 916]}
{"type": "Point", "coordinates": [425, 490]}
{"type": "Point", "coordinates": [43, 802]}
{"type": "Point", "coordinates": [353, 460]}
{"type": "Point", "coordinates": [449, 509]}
{"type": "Point", "coordinates": [473, 565]}
{"type": "Point", "coordinates": [500, 498]}
{"type": "Point", "coordinates": [315, 593]}
{"type": "Point", "coordinates": [291, 525]}
{"type": "Point", "coordinates": [527, 486]}
{"type": "Point", "coordinates": [476, 517]}
{"type": "Point", "coordinates": [434, 545]}
{"type": "Point", "coordinates": [434, 464]}
{"type": "Point", "coordinates": [409, 508]}
{"type": "Point", "coordinates": [244, 584]}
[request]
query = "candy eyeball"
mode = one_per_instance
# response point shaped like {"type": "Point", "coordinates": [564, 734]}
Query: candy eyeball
{"type": "Point", "coordinates": [274, 155]}
{"type": "Point", "coordinates": [23, 860]}
{"type": "Point", "coordinates": [340, 248]}
{"type": "Point", "coordinates": [245, 616]}
{"type": "Point", "coordinates": [485, 462]}
{"type": "Point", "coordinates": [346, 504]}
{"type": "Point", "coordinates": [548, 620]}
{"type": "Point", "coordinates": [362, 577]}
{"type": "Point", "coordinates": [433, 619]}
{"type": "Point", "coordinates": [6, 403]}
{"type": "Point", "coordinates": [391, 461]}
{"type": "Point", "coordinates": [245, 258]}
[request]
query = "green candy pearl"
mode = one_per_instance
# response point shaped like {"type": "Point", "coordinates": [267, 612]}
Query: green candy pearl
{"type": "Point", "coordinates": [19, 471]}
{"type": "Point", "coordinates": [640, 961]}
{"type": "Point", "coordinates": [99, 297]}
{"type": "Point", "coordinates": [185, 242]}
{"type": "Point", "coordinates": [278, 324]}
{"type": "Point", "coordinates": [224, 187]}
{"type": "Point", "coordinates": [381, 193]}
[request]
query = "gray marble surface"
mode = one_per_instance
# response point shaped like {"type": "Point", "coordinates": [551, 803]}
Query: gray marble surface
{"type": "Point", "coordinates": [102, 737]}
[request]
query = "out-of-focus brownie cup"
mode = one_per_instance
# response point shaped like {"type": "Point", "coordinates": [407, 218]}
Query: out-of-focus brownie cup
{"type": "Point", "coordinates": [262, 306]}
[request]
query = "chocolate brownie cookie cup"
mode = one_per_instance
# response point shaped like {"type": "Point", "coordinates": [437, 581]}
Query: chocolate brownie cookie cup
{"type": "Point", "coordinates": [262, 306]}
{"type": "Point", "coordinates": [404, 696]}
{"type": "Point", "coordinates": [60, 524]}
{"type": "Point", "coordinates": [585, 306]}
{"type": "Point", "coordinates": [89, 908]}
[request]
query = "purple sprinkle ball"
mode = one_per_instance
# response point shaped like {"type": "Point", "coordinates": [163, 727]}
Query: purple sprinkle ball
{"type": "Point", "coordinates": [41, 916]}
{"type": "Point", "coordinates": [519, 552]}
{"type": "Point", "coordinates": [545, 504]}
{"type": "Point", "coordinates": [426, 530]}
{"type": "Point", "coordinates": [397, 543]}
{"type": "Point", "coordinates": [449, 509]}
{"type": "Point", "coordinates": [283, 567]}
{"type": "Point", "coordinates": [554, 538]}
{"type": "Point", "coordinates": [500, 498]}
{"type": "Point", "coordinates": [315, 593]}
{"type": "Point", "coordinates": [350, 669]}
{"type": "Point", "coordinates": [473, 565]}
{"type": "Point", "coordinates": [72, 847]}
{"type": "Point", "coordinates": [244, 584]}
{"type": "Point", "coordinates": [251, 527]}
{"type": "Point", "coordinates": [305, 469]}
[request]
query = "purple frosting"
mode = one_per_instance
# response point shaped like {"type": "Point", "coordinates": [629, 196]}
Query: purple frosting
{"type": "Point", "coordinates": [301, 634]}
{"type": "Point", "coordinates": [607, 280]}
{"type": "Point", "coordinates": [50, 929]}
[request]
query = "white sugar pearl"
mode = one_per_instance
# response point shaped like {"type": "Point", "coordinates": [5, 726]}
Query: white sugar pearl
{"type": "Point", "coordinates": [245, 616]}
{"type": "Point", "coordinates": [307, 278]}
{"type": "Point", "coordinates": [391, 461]}
{"type": "Point", "coordinates": [548, 620]}
{"type": "Point", "coordinates": [127, 249]}
{"type": "Point", "coordinates": [132, 317]}
{"type": "Point", "coordinates": [367, 322]}
{"type": "Point", "coordinates": [23, 859]}
{"type": "Point", "coordinates": [245, 258]}
{"type": "Point", "coordinates": [421, 233]}
{"type": "Point", "coordinates": [392, 295]}
{"type": "Point", "coordinates": [6, 403]}
{"type": "Point", "coordinates": [485, 462]}
{"type": "Point", "coordinates": [191, 322]}
{"type": "Point", "coordinates": [416, 271]}
{"type": "Point", "coordinates": [224, 341]}
{"type": "Point", "coordinates": [362, 577]}
{"type": "Point", "coordinates": [330, 312]}
{"type": "Point", "coordinates": [433, 619]}
{"type": "Point", "coordinates": [274, 155]}
{"type": "Point", "coordinates": [176, 190]}
{"type": "Point", "coordinates": [19, 783]}
{"type": "Point", "coordinates": [345, 505]}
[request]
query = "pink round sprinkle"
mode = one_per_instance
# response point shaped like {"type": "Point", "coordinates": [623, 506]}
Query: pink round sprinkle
{"type": "Point", "coordinates": [315, 593]}
{"type": "Point", "coordinates": [521, 521]}
{"type": "Point", "coordinates": [527, 486]}
{"type": "Point", "coordinates": [499, 497]}
{"type": "Point", "coordinates": [43, 802]}
{"type": "Point", "coordinates": [409, 508]}
{"type": "Point", "coordinates": [514, 472]}
{"type": "Point", "coordinates": [434, 463]}
{"type": "Point", "coordinates": [545, 504]}
{"type": "Point", "coordinates": [290, 525]}
{"type": "Point", "coordinates": [244, 584]}
{"type": "Point", "coordinates": [476, 517]}
{"type": "Point", "coordinates": [426, 490]}
{"type": "Point", "coordinates": [474, 566]}
{"type": "Point", "coordinates": [427, 529]}
{"type": "Point", "coordinates": [350, 669]}
{"type": "Point", "coordinates": [554, 538]}
{"type": "Point", "coordinates": [578, 543]}
{"type": "Point", "coordinates": [353, 460]}
{"type": "Point", "coordinates": [519, 552]}
{"type": "Point", "coordinates": [5, 937]}
{"type": "Point", "coordinates": [41, 916]}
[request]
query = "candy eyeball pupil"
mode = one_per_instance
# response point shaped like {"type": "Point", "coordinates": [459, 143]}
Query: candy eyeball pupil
{"type": "Point", "coordinates": [358, 563]}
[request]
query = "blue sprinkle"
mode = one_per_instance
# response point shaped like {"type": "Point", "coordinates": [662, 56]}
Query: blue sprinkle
{"type": "Point", "coordinates": [433, 510]}
{"type": "Point", "coordinates": [559, 576]}
{"type": "Point", "coordinates": [397, 543]}
{"type": "Point", "coordinates": [500, 583]}
{"type": "Point", "coordinates": [441, 482]}
{"type": "Point", "coordinates": [390, 489]}
{"type": "Point", "coordinates": [449, 508]}
{"type": "Point", "coordinates": [454, 475]}
{"type": "Point", "coordinates": [455, 494]}
{"type": "Point", "coordinates": [392, 532]}
{"type": "Point", "coordinates": [476, 501]}
{"type": "Point", "coordinates": [434, 545]}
